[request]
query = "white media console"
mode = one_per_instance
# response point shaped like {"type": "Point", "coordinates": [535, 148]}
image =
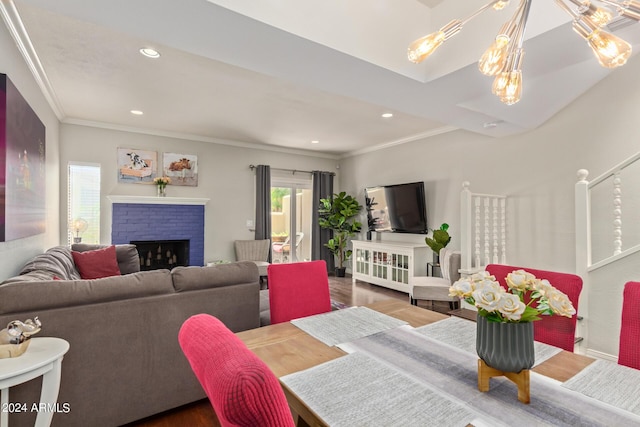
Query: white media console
{"type": "Point", "coordinates": [389, 264]}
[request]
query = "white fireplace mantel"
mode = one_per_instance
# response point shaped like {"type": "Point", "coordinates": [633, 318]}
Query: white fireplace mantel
{"type": "Point", "coordinates": [150, 200]}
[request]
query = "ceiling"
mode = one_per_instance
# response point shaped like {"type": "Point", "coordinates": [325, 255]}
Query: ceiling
{"type": "Point", "coordinates": [279, 74]}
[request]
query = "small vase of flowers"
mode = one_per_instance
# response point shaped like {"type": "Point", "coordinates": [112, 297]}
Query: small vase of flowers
{"type": "Point", "coordinates": [505, 329]}
{"type": "Point", "coordinates": [161, 184]}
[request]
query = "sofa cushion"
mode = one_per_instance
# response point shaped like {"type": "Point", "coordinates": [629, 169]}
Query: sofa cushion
{"type": "Point", "coordinates": [126, 254]}
{"type": "Point", "coordinates": [97, 264]}
{"type": "Point", "coordinates": [56, 261]}
{"type": "Point", "coordinates": [39, 295]}
{"type": "Point", "coordinates": [194, 278]}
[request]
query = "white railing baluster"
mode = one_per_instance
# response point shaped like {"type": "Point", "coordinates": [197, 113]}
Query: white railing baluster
{"type": "Point", "coordinates": [477, 233]}
{"type": "Point", "coordinates": [495, 231]}
{"type": "Point", "coordinates": [465, 228]}
{"type": "Point", "coordinates": [486, 234]}
{"type": "Point", "coordinates": [617, 214]}
{"type": "Point", "coordinates": [503, 231]}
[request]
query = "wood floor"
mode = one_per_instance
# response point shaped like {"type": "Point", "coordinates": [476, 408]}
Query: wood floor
{"type": "Point", "coordinates": [200, 414]}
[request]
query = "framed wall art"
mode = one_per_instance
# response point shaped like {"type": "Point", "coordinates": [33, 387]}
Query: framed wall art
{"type": "Point", "coordinates": [22, 166]}
{"type": "Point", "coordinates": [137, 166]}
{"type": "Point", "coordinates": [181, 168]}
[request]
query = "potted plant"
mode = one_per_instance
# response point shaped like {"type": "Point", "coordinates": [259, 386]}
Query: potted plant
{"type": "Point", "coordinates": [338, 214]}
{"type": "Point", "coordinates": [439, 240]}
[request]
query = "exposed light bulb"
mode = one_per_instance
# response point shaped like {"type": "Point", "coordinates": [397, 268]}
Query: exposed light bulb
{"type": "Point", "coordinates": [508, 86]}
{"type": "Point", "coordinates": [610, 51]}
{"type": "Point", "coordinates": [599, 16]}
{"type": "Point", "coordinates": [420, 49]}
{"type": "Point", "coordinates": [499, 5]}
{"type": "Point", "coordinates": [494, 58]}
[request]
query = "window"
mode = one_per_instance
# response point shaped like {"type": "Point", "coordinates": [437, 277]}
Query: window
{"type": "Point", "coordinates": [83, 204]}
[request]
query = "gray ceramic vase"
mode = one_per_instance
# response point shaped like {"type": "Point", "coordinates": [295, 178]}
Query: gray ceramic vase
{"type": "Point", "coordinates": [507, 347]}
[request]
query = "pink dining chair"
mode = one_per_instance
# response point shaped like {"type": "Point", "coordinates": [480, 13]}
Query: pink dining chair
{"type": "Point", "coordinates": [629, 354]}
{"type": "Point", "coordinates": [241, 388]}
{"type": "Point", "coordinates": [557, 331]}
{"type": "Point", "coordinates": [297, 290]}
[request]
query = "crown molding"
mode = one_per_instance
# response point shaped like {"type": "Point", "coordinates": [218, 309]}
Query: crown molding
{"type": "Point", "coordinates": [19, 34]}
{"type": "Point", "coordinates": [417, 137]}
{"type": "Point", "coordinates": [199, 138]}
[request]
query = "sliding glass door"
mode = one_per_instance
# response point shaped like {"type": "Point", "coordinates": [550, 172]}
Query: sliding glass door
{"type": "Point", "coordinates": [291, 211]}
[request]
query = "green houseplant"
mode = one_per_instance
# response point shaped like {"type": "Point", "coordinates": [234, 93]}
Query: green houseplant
{"type": "Point", "coordinates": [339, 215]}
{"type": "Point", "coordinates": [439, 240]}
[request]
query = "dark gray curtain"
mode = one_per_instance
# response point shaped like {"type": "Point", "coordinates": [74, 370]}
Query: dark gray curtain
{"type": "Point", "coordinates": [322, 189]}
{"type": "Point", "coordinates": [263, 203]}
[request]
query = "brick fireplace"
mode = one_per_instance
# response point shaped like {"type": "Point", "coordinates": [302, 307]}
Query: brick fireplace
{"type": "Point", "coordinates": [139, 218]}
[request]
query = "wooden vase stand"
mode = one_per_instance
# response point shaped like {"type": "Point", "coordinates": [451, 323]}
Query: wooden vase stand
{"type": "Point", "coordinates": [520, 379]}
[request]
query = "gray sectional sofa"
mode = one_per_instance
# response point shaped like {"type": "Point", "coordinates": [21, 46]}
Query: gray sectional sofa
{"type": "Point", "coordinates": [124, 361]}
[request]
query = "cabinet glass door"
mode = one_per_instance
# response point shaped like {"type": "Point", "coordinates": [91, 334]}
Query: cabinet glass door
{"type": "Point", "coordinates": [362, 261]}
{"type": "Point", "coordinates": [400, 268]}
{"type": "Point", "coordinates": [379, 264]}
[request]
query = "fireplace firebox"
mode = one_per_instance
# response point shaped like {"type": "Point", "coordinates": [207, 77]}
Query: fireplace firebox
{"type": "Point", "coordinates": [157, 254]}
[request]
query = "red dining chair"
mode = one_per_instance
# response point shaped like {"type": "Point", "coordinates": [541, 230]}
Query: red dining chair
{"type": "Point", "coordinates": [629, 354]}
{"type": "Point", "coordinates": [297, 290]}
{"type": "Point", "coordinates": [558, 331]}
{"type": "Point", "coordinates": [241, 388]}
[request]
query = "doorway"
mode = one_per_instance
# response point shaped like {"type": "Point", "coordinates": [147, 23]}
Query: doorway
{"type": "Point", "coordinates": [291, 214]}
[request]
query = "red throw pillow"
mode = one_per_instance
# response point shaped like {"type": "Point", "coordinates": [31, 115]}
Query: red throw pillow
{"type": "Point", "coordinates": [97, 264]}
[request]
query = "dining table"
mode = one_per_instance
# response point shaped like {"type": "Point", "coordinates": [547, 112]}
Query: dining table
{"type": "Point", "coordinates": [290, 351]}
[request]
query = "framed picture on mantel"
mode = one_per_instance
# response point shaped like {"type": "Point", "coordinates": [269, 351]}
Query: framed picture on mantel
{"type": "Point", "coordinates": [181, 168]}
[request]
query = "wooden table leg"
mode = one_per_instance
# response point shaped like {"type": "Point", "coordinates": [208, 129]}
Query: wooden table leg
{"type": "Point", "coordinates": [520, 379]}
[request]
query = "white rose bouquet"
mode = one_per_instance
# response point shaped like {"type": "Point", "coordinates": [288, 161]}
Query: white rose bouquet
{"type": "Point", "coordinates": [498, 304]}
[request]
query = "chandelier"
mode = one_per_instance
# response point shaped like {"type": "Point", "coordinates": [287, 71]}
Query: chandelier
{"type": "Point", "coordinates": [503, 59]}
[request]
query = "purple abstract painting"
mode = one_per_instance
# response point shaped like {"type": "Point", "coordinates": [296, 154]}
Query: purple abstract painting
{"type": "Point", "coordinates": [22, 162]}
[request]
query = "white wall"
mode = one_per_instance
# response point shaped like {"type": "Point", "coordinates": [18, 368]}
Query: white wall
{"type": "Point", "coordinates": [537, 170]}
{"type": "Point", "coordinates": [14, 253]}
{"type": "Point", "coordinates": [223, 176]}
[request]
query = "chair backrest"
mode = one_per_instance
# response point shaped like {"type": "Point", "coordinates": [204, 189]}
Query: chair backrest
{"type": "Point", "coordinates": [252, 250]}
{"type": "Point", "coordinates": [451, 262]}
{"type": "Point", "coordinates": [298, 289]}
{"type": "Point", "coordinates": [629, 354]}
{"type": "Point", "coordinates": [241, 388]}
{"type": "Point", "coordinates": [558, 331]}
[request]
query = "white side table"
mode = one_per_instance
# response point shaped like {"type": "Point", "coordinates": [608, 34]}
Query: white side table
{"type": "Point", "coordinates": [43, 357]}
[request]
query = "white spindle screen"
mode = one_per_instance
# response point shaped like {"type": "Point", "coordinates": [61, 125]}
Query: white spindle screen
{"type": "Point", "coordinates": [483, 228]}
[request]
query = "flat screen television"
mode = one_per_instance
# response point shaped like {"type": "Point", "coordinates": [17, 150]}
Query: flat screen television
{"type": "Point", "coordinates": [399, 208]}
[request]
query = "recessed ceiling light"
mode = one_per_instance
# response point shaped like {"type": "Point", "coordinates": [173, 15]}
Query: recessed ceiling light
{"type": "Point", "coordinates": [150, 53]}
{"type": "Point", "coordinates": [315, 141]}
{"type": "Point", "coordinates": [137, 112]}
{"type": "Point", "coordinates": [387, 115]}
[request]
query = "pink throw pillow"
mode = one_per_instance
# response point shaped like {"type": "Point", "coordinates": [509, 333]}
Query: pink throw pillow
{"type": "Point", "coordinates": [97, 264]}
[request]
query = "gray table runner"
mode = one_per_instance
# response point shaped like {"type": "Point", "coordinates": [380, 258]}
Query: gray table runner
{"type": "Point", "coordinates": [461, 334]}
{"type": "Point", "coordinates": [450, 376]}
{"type": "Point", "coordinates": [346, 325]}
{"type": "Point", "coordinates": [357, 390]}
